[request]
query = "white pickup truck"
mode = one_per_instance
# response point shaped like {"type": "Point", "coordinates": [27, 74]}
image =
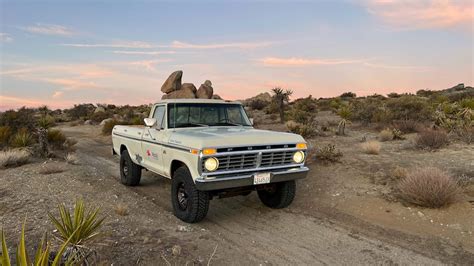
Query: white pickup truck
{"type": "Point", "coordinates": [208, 148]}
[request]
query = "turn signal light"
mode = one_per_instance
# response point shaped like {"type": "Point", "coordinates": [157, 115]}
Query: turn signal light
{"type": "Point", "coordinates": [194, 151]}
{"type": "Point", "coordinates": [209, 151]}
{"type": "Point", "coordinates": [301, 146]}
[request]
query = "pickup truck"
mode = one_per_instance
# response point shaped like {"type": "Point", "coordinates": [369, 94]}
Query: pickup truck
{"type": "Point", "coordinates": [209, 148]}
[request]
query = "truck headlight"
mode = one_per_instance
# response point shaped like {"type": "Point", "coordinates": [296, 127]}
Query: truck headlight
{"type": "Point", "coordinates": [211, 164]}
{"type": "Point", "coordinates": [298, 157]}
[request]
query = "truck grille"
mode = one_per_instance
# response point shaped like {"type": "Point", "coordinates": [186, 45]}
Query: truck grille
{"type": "Point", "coordinates": [250, 160]}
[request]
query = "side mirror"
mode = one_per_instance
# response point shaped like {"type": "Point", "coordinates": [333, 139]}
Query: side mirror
{"type": "Point", "coordinates": [150, 122]}
{"type": "Point", "coordinates": [251, 121]}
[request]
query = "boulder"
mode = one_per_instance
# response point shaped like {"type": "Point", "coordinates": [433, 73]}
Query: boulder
{"type": "Point", "coordinates": [184, 93]}
{"type": "Point", "coordinates": [173, 82]}
{"type": "Point", "coordinates": [205, 91]}
{"type": "Point", "coordinates": [117, 117]}
{"type": "Point", "coordinates": [99, 109]}
{"type": "Point", "coordinates": [88, 122]}
{"type": "Point", "coordinates": [189, 86]}
{"type": "Point", "coordinates": [217, 97]}
{"type": "Point", "coordinates": [105, 121]}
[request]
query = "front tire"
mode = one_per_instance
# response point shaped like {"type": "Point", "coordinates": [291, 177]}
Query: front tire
{"type": "Point", "coordinates": [130, 172]}
{"type": "Point", "coordinates": [280, 196]}
{"type": "Point", "coordinates": [189, 204]}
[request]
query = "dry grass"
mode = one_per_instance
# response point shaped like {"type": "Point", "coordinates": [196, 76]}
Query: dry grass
{"type": "Point", "coordinates": [50, 168]}
{"type": "Point", "coordinates": [386, 135]}
{"type": "Point", "coordinates": [429, 187]}
{"type": "Point", "coordinates": [371, 147]}
{"type": "Point", "coordinates": [399, 173]}
{"type": "Point", "coordinates": [11, 158]}
{"type": "Point", "coordinates": [121, 209]}
{"type": "Point", "coordinates": [71, 158]}
{"type": "Point", "coordinates": [325, 154]}
{"type": "Point", "coordinates": [432, 139]}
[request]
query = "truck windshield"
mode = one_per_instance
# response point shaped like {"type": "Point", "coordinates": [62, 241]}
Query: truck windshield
{"type": "Point", "coordinates": [206, 114]}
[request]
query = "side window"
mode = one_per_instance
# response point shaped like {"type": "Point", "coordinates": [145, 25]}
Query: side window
{"type": "Point", "coordinates": [159, 115]}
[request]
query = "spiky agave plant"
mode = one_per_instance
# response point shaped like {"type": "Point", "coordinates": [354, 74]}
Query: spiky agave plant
{"type": "Point", "coordinates": [42, 257]}
{"type": "Point", "coordinates": [81, 227]}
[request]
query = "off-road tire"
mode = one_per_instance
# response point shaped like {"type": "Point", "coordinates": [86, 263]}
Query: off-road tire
{"type": "Point", "coordinates": [131, 175]}
{"type": "Point", "coordinates": [197, 202]}
{"type": "Point", "coordinates": [281, 197]}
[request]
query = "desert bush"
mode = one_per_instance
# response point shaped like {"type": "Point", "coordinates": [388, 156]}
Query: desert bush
{"type": "Point", "coordinates": [50, 168]}
{"type": "Point", "coordinates": [108, 126]}
{"type": "Point", "coordinates": [429, 187]}
{"type": "Point", "coordinates": [81, 111]}
{"type": "Point", "coordinates": [17, 157]}
{"type": "Point", "coordinates": [431, 139]}
{"type": "Point", "coordinates": [467, 103]}
{"type": "Point", "coordinates": [99, 116]}
{"type": "Point", "coordinates": [386, 135]}
{"type": "Point", "coordinates": [399, 173]}
{"type": "Point", "coordinates": [22, 139]}
{"type": "Point", "coordinates": [409, 107]}
{"type": "Point", "coordinates": [136, 121]}
{"type": "Point", "coordinates": [5, 135]}
{"type": "Point", "coordinates": [307, 130]}
{"type": "Point", "coordinates": [397, 134]}
{"type": "Point", "coordinates": [407, 126]}
{"type": "Point", "coordinates": [348, 95]}
{"type": "Point", "coordinates": [56, 138]}
{"type": "Point", "coordinates": [121, 210]}
{"type": "Point", "coordinates": [371, 147]}
{"type": "Point", "coordinates": [258, 104]}
{"type": "Point", "coordinates": [16, 120]}
{"type": "Point", "coordinates": [328, 154]}
{"type": "Point", "coordinates": [303, 110]}
{"type": "Point", "coordinates": [365, 110]}
{"type": "Point", "coordinates": [46, 121]}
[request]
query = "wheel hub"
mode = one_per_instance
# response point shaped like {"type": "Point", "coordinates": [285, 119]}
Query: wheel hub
{"type": "Point", "coordinates": [182, 197]}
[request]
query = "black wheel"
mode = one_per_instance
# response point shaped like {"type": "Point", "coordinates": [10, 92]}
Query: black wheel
{"type": "Point", "coordinates": [130, 173]}
{"type": "Point", "coordinates": [281, 195]}
{"type": "Point", "coordinates": [189, 204]}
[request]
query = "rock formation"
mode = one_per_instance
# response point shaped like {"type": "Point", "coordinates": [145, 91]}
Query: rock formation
{"type": "Point", "coordinates": [173, 88]}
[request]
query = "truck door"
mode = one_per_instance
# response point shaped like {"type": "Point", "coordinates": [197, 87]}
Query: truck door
{"type": "Point", "coordinates": [153, 138]}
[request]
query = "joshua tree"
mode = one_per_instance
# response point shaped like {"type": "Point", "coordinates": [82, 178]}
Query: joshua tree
{"type": "Point", "coordinates": [345, 113]}
{"type": "Point", "coordinates": [281, 96]}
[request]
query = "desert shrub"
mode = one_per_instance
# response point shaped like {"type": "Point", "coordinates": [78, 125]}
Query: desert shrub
{"type": "Point", "coordinates": [306, 130]}
{"type": "Point", "coordinates": [22, 139]}
{"type": "Point", "coordinates": [432, 139]}
{"type": "Point", "coordinates": [46, 121]}
{"type": "Point", "coordinates": [108, 126]}
{"type": "Point", "coordinates": [99, 116]}
{"type": "Point", "coordinates": [467, 103]}
{"type": "Point", "coordinates": [56, 138]}
{"type": "Point", "coordinates": [386, 135]}
{"type": "Point", "coordinates": [16, 120]}
{"type": "Point", "coordinates": [364, 110]}
{"type": "Point", "coordinates": [136, 121]}
{"type": "Point", "coordinates": [5, 135]}
{"type": "Point", "coordinates": [371, 147]}
{"type": "Point", "coordinates": [328, 154]}
{"type": "Point", "coordinates": [429, 187]}
{"type": "Point", "coordinates": [348, 95]}
{"type": "Point", "coordinates": [409, 107]}
{"type": "Point", "coordinates": [257, 104]}
{"type": "Point", "coordinates": [80, 111]}
{"type": "Point", "coordinates": [407, 126]}
{"type": "Point", "coordinates": [121, 209]}
{"type": "Point", "coordinates": [399, 173]}
{"type": "Point", "coordinates": [10, 158]}
{"type": "Point", "coordinates": [303, 110]}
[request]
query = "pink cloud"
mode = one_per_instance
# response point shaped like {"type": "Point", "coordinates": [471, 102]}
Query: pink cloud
{"type": "Point", "coordinates": [295, 62]}
{"type": "Point", "coordinates": [406, 14]}
{"type": "Point", "coordinates": [121, 44]}
{"type": "Point", "coordinates": [57, 94]}
{"type": "Point", "coordinates": [239, 45]}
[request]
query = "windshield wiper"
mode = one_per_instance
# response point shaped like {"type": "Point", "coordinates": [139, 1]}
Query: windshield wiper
{"type": "Point", "coordinates": [193, 124]}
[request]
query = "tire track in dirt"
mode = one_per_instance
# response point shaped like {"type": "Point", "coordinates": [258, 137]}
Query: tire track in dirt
{"type": "Point", "coordinates": [248, 232]}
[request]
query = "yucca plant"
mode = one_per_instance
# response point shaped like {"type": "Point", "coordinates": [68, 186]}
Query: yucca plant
{"type": "Point", "coordinates": [42, 257]}
{"type": "Point", "coordinates": [22, 138]}
{"type": "Point", "coordinates": [82, 226]}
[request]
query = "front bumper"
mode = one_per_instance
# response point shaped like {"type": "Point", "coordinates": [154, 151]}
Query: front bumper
{"type": "Point", "coordinates": [246, 179]}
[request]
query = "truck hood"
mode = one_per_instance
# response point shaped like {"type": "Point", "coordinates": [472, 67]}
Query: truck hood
{"type": "Point", "coordinates": [214, 137]}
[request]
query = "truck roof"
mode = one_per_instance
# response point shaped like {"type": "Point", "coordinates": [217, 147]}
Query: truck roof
{"type": "Point", "coordinates": [197, 100]}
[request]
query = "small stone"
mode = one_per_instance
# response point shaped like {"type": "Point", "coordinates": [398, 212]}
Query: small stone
{"type": "Point", "coordinates": [176, 250]}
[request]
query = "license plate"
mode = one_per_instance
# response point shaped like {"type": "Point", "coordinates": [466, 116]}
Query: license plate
{"type": "Point", "coordinates": [262, 178]}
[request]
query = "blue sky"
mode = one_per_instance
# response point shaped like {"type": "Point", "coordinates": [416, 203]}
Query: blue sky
{"type": "Point", "coordinates": [64, 52]}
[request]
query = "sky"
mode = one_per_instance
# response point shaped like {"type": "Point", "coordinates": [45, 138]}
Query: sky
{"type": "Point", "coordinates": [61, 53]}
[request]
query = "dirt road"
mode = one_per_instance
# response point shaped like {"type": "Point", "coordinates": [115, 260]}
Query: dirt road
{"type": "Point", "coordinates": [241, 230]}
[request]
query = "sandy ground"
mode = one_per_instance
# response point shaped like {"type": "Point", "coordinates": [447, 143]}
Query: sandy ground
{"type": "Point", "coordinates": [339, 216]}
